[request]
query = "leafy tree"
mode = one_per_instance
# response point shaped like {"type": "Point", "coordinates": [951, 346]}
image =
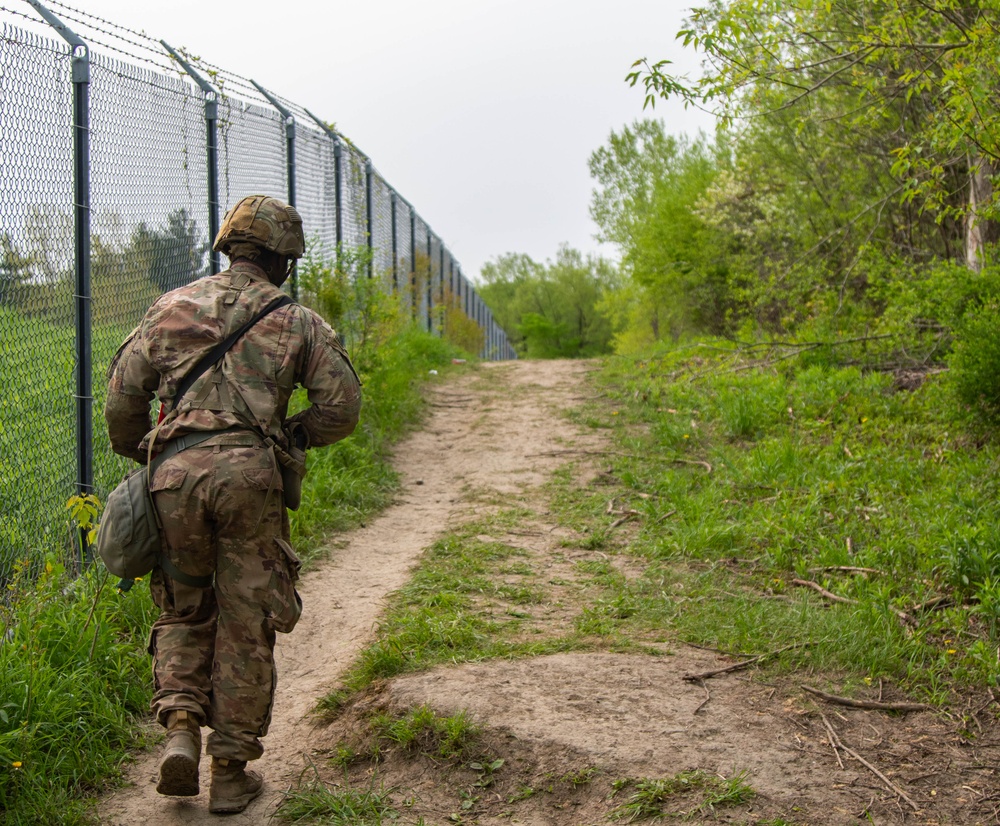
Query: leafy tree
{"type": "Point", "coordinates": [911, 81]}
{"type": "Point", "coordinates": [551, 310]}
{"type": "Point", "coordinates": [648, 203]}
{"type": "Point", "coordinates": [172, 255]}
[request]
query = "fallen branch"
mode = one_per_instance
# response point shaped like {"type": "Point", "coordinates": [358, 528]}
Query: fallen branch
{"type": "Point", "coordinates": [698, 462]}
{"type": "Point", "coordinates": [838, 744]}
{"type": "Point", "coordinates": [705, 465]}
{"type": "Point", "coordinates": [623, 519]}
{"type": "Point", "coordinates": [832, 738]}
{"type": "Point", "coordinates": [706, 675]}
{"type": "Point", "coordinates": [847, 569]}
{"type": "Point", "coordinates": [703, 703]}
{"type": "Point", "coordinates": [935, 604]}
{"type": "Point", "coordinates": [892, 786]}
{"type": "Point", "coordinates": [808, 583]}
{"type": "Point", "coordinates": [868, 704]}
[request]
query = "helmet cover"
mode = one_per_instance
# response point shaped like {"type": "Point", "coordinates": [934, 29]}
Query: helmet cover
{"type": "Point", "coordinates": [263, 222]}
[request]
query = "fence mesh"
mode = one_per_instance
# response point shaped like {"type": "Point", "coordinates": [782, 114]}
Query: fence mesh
{"type": "Point", "coordinates": [404, 253]}
{"type": "Point", "coordinates": [146, 170]}
{"type": "Point", "coordinates": [355, 199]}
{"type": "Point", "coordinates": [316, 189]}
{"type": "Point", "coordinates": [37, 410]}
{"type": "Point", "coordinates": [382, 229]}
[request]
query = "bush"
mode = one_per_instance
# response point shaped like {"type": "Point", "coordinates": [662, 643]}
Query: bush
{"type": "Point", "coordinates": [975, 363]}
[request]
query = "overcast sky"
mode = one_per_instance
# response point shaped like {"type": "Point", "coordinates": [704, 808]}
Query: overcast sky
{"type": "Point", "coordinates": [481, 113]}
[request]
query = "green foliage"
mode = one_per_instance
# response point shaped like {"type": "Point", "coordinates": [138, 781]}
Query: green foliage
{"type": "Point", "coordinates": [704, 790]}
{"type": "Point", "coordinates": [73, 681]}
{"type": "Point", "coordinates": [316, 802]}
{"type": "Point", "coordinates": [551, 310]}
{"type": "Point", "coordinates": [975, 363]}
{"type": "Point", "coordinates": [650, 187]}
{"type": "Point", "coordinates": [343, 288]}
{"type": "Point", "coordinates": [855, 167]}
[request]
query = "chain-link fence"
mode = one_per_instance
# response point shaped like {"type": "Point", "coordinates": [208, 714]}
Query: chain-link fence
{"type": "Point", "coordinates": [117, 158]}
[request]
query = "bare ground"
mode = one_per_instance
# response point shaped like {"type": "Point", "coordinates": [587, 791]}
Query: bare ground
{"type": "Point", "coordinates": [570, 727]}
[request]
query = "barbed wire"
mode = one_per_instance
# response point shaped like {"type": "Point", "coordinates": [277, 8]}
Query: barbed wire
{"type": "Point", "coordinates": [229, 83]}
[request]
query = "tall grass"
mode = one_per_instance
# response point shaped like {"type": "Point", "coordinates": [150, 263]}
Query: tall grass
{"type": "Point", "coordinates": [750, 479]}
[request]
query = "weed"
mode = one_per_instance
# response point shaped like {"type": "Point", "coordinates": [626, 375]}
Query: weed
{"type": "Point", "coordinates": [315, 802]}
{"type": "Point", "coordinates": [580, 777]}
{"type": "Point", "coordinates": [651, 795]}
{"type": "Point", "coordinates": [421, 729]}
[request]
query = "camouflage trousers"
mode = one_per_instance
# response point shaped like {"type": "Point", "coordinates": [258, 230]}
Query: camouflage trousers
{"type": "Point", "coordinates": [213, 648]}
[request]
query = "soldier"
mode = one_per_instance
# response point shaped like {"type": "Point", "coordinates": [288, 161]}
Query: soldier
{"type": "Point", "coordinates": [226, 582]}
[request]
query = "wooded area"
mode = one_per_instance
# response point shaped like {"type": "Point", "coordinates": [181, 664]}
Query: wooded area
{"type": "Point", "coordinates": [846, 197]}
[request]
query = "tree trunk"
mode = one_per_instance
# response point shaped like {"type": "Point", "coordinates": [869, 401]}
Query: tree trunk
{"type": "Point", "coordinates": [979, 232]}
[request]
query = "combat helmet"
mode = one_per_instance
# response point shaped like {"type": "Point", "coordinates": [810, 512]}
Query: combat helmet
{"type": "Point", "coordinates": [261, 222]}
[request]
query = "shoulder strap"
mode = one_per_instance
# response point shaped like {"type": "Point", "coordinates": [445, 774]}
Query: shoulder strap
{"type": "Point", "coordinates": [219, 350]}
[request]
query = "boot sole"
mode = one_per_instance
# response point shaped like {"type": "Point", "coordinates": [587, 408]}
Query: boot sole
{"type": "Point", "coordinates": [233, 805]}
{"type": "Point", "coordinates": [178, 776]}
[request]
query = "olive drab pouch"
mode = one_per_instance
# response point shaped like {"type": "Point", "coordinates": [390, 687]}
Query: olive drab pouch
{"type": "Point", "coordinates": [285, 606]}
{"type": "Point", "coordinates": [293, 465]}
{"type": "Point", "coordinates": [128, 537]}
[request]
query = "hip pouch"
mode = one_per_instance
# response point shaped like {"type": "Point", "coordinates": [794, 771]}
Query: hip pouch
{"type": "Point", "coordinates": [293, 464]}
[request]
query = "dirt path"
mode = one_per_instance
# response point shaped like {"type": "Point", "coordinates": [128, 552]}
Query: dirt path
{"type": "Point", "coordinates": [571, 726]}
{"type": "Point", "coordinates": [477, 437]}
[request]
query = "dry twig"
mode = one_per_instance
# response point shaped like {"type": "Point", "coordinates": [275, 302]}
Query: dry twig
{"type": "Point", "coordinates": [708, 696]}
{"type": "Point", "coordinates": [832, 738]}
{"type": "Point", "coordinates": [868, 704]}
{"type": "Point", "coordinates": [848, 569]}
{"type": "Point", "coordinates": [838, 744]}
{"type": "Point", "coordinates": [705, 675]}
{"type": "Point", "coordinates": [808, 583]}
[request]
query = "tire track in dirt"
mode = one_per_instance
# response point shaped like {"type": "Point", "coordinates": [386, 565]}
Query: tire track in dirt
{"type": "Point", "coordinates": [486, 431]}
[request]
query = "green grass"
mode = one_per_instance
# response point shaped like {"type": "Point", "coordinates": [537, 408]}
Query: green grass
{"type": "Point", "coordinates": [315, 802]}
{"type": "Point", "coordinates": [422, 729]}
{"type": "Point", "coordinates": [73, 681]}
{"type": "Point", "coordinates": [698, 791]}
{"type": "Point", "coordinates": [748, 480]}
{"type": "Point", "coordinates": [453, 609]}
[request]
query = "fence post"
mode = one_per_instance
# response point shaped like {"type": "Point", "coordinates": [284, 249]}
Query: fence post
{"type": "Point", "coordinates": [81, 241]}
{"type": "Point", "coordinates": [289, 119]}
{"type": "Point", "coordinates": [395, 242]}
{"type": "Point", "coordinates": [337, 186]}
{"type": "Point", "coordinates": [212, 148]}
{"type": "Point", "coordinates": [369, 216]}
{"type": "Point", "coordinates": [413, 264]}
{"type": "Point", "coordinates": [430, 283]}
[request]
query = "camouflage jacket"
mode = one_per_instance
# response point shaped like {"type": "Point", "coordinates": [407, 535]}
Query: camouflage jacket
{"type": "Point", "coordinates": [253, 382]}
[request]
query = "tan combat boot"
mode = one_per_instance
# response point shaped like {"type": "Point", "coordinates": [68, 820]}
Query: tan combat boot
{"type": "Point", "coordinates": [181, 753]}
{"type": "Point", "coordinates": [232, 786]}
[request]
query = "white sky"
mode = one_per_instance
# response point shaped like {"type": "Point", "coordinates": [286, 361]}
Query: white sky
{"type": "Point", "coordinates": [481, 113]}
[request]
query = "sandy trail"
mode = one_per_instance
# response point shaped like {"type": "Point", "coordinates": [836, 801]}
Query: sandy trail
{"type": "Point", "coordinates": [485, 431]}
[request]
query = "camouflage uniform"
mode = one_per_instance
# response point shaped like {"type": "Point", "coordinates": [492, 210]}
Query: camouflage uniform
{"type": "Point", "coordinates": [220, 501]}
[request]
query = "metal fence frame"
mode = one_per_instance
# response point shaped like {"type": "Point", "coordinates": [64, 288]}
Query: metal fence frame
{"type": "Point", "coordinates": [367, 211]}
